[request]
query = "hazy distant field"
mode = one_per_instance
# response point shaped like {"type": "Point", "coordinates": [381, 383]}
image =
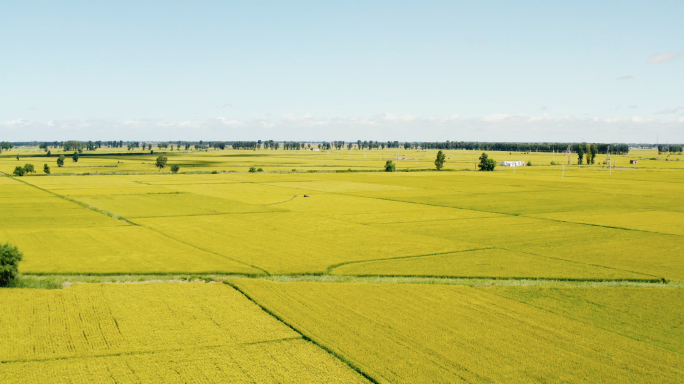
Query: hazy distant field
{"type": "Point", "coordinates": [581, 225]}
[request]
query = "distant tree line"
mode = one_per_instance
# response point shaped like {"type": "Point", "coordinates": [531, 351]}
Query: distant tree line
{"type": "Point", "coordinates": [292, 145]}
{"type": "Point", "coordinates": [519, 147]}
{"type": "Point", "coordinates": [671, 148]}
{"type": "Point", "coordinates": [270, 144]}
{"type": "Point", "coordinates": [244, 144]}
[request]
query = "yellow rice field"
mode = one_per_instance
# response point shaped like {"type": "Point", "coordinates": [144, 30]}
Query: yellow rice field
{"type": "Point", "coordinates": [381, 268]}
{"type": "Point", "coordinates": [437, 333]}
{"type": "Point", "coordinates": [153, 332]}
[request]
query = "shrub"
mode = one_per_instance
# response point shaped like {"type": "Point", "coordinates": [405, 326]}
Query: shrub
{"type": "Point", "coordinates": [46, 169]}
{"type": "Point", "coordinates": [260, 170]}
{"type": "Point", "coordinates": [214, 172]}
{"type": "Point", "coordinates": [252, 169]}
{"type": "Point", "coordinates": [389, 166]}
{"type": "Point", "coordinates": [529, 163]}
{"type": "Point", "coordinates": [553, 162]}
{"type": "Point", "coordinates": [175, 168]}
{"type": "Point", "coordinates": [10, 256]}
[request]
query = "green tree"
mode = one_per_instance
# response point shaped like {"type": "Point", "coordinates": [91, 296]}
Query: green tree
{"type": "Point", "coordinates": [46, 169]}
{"type": "Point", "coordinates": [28, 168]}
{"type": "Point", "coordinates": [486, 164]}
{"type": "Point", "coordinates": [49, 153]}
{"type": "Point", "coordinates": [175, 168]}
{"type": "Point", "coordinates": [60, 161]}
{"type": "Point", "coordinates": [260, 170]}
{"type": "Point", "coordinates": [529, 163]}
{"type": "Point", "coordinates": [161, 162]}
{"type": "Point", "coordinates": [10, 256]}
{"type": "Point", "coordinates": [439, 161]}
{"type": "Point", "coordinates": [389, 166]}
{"type": "Point", "coordinates": [580, 153]}
{"type": "Point", "coordinates": [252, 169]}
{"type": "Point", "coordinates": [74, 157]}
{"type": "Point", "coordinates": [19, 171]}
{"type": "Point", "coordinates": [593, 151]}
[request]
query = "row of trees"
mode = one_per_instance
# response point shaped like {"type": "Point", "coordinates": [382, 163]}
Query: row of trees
{"type": "Point", "coordinates": [671, 148]}
{"type": "Point", "coordinates": [519, 147]}
{"type": "Point", "coordinates": [486, 164]}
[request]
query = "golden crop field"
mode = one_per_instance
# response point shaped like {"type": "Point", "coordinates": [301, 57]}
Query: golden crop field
{"type": "Point", "coordinates": [578, 270]}
{"type": "Point", "coordinates": [153, 332]}
{"type": "Point", "coordinates": [437, 333]}
{"type": "Point", "coordinates": [590, 224]}
{"type": "Point", "coordinates": [652, 316]}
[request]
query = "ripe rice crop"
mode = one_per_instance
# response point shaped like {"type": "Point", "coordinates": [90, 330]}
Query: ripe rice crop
{"type": "Point", "coordinates": [175, 204]}
{"type": "Point", "coordinates": [652, 221]}
{"type": "Point", "coordinates": [249, 193]}
{"type": "Point", "coordinates": [291, 361]}
{"type": "Point", "coordinates": [438, 333]}
{"type": "Point", "coordinates": [649, 315]}
{"type": "Point", "coordinates": [289, 242]}
{"type": "Point", "coordinates": [629, 251]}
{"type": "Point", "coordinates": [114, 250]}
{"type": "Point", "coordinates": [153, 332]}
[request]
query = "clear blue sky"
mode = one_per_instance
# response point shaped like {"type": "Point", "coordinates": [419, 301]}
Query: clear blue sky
{"type": "Point", "coordinates": [342, 70]}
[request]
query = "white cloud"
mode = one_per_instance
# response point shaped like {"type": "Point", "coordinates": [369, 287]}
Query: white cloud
{"type": "Point", "coordinates": [384, 126]}
{"type": "Point", "coordinates": [623, 78]}
{"type": "Point", "coordinates": [669, 56]}
{"type": "Point", "coordinates": [669, 111]}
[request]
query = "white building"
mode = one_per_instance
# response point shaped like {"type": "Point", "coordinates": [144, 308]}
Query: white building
{"type": "Point", "coordinates": [513, 163]}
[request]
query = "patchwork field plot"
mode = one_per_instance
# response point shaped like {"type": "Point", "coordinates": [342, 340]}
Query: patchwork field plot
{"type": "Point", "coordinates": [653, 316]}
{"type": "Point", "coordinates": [589, 224]}
{"type": "Point", "coordinates": [651, 221]}
{"type": "Point", "coordinates": [487, 263]}
{"type": "Point", "coordinates": [290, 242]}
{"type": "Point", "coordinates": [153, 332]}
{"type": "Point", "coordinates": [114, 250]}
{"type": "Point", "coordinates": [174, 204]}
{"type": "Point", "coordinates": [421, 333]}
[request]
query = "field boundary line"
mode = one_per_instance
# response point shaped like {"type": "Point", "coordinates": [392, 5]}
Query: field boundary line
{"type": "Point", "coordinates": [205, 214]}
{"type": "Point", "coordinates": [305, 336]}
{"type": "Point", "coordinates": [515, 278]}
{"type": "Point", "coordinates": [284, 201]}
{"type": "Point", "coordinates": [481, 281]}
{"type": "Point", "coordinates": [148, 352]}
{"type": "Point", "coordinates": [335, 266]}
